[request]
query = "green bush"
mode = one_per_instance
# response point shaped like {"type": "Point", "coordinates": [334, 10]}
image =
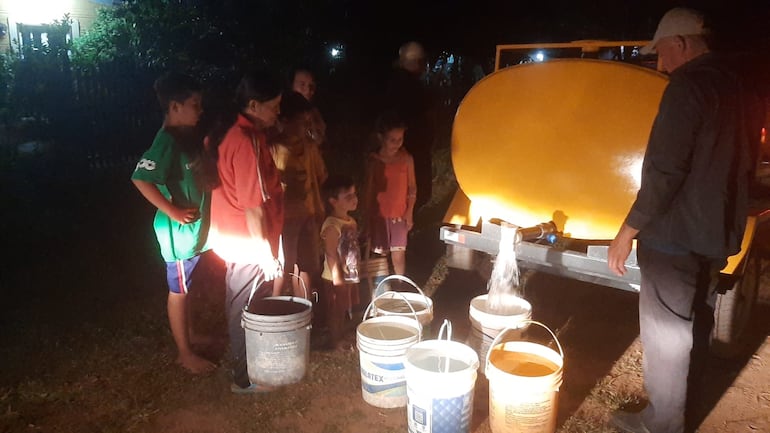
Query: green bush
{"type": "Point", "coordinates": [156, 34]}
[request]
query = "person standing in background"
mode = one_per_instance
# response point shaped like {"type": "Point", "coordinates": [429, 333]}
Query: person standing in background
{"type": "Point", "coordinates": [247, 210]}
{"type": "Point", "coordinates": [689, 214]}
{"type": "Point", "coordinates": [390, 192]}
{"type": "Point", "coordinates": [168, 176]}
{"type": "Point", "coordinates": [339, 233]}
{"type": "Point", "coordinates": [409, 96]}
{"type": "Point", "coordinates": [303, 82]}
{"type": "Point", "coordinates": [302, 173]}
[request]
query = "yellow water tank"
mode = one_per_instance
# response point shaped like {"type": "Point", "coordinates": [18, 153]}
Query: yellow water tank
{"type": "Point", "coordinates": [561, 140]}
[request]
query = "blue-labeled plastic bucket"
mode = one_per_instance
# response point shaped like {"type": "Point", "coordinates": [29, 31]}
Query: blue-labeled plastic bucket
{"type": "Point", "coordinates": [440, 381]}
{"type": "Point", "coordinates": [382, 344]}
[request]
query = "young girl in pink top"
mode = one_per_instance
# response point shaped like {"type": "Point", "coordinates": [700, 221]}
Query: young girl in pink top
{"type": "Point", "coordinates": [391, 191]}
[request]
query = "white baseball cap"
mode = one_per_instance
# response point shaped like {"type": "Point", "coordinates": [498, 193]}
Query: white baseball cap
{"type": "Point", "coordinates": [676, 22]}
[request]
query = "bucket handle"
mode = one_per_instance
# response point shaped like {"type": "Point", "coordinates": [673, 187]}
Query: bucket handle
{"type": "Point", "coordinates": [428, 304]}
{"type": "Point", "coordinates": [500, 336]}
{"type": "Point", "coordinates": [302, 283]}
{"type": "Point", "coordinates": [414, 313]}
{"type": "Point", "coordinates": [446, 326]}
{"type": "Point", "coordinates": [255, 287]}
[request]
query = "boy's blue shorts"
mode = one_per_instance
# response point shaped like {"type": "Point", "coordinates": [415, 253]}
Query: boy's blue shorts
{"type": "Point", "coordinates": [179, 274]}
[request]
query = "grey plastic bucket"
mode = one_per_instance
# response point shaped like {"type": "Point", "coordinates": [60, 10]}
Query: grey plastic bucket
{"type": "Point", "coordinates": [277, 339]}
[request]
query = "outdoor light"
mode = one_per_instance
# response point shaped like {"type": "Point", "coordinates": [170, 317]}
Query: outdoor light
{"type": "Point", "coordinates": [540, 56]}
{"type": "Point", "coordinates": [336, 50]}
{"type": "Point", "coordinates": [38, 11]}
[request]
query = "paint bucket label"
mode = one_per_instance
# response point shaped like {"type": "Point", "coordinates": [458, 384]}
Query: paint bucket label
{"type": "Point", "coordinates": [439, 415]}
{"type": "Point", "coordinates": [524, 380]}
{"type": "Point", "coordinates": [531, 407]}
{"type": "Point", "coordinates": [382, 345]}
{"type": "Point", "coordinates": [382, 381]}
{"type": "Point", "coordinates": [440, 379]}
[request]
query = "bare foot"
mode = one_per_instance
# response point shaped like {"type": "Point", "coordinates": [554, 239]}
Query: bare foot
{"type": "Point", "coordinates": [195, 364]}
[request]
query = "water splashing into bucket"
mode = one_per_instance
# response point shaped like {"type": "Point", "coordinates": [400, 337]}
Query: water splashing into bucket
{"type": "Point", "coordinates": [503, 285]}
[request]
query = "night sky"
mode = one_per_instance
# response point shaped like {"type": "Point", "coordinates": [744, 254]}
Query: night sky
{"type": "Point", "coordinates": [372, 30]}
{"type": "Point", "coordinates": [474, 27]}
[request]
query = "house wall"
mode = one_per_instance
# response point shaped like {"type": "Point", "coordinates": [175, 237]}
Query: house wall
{"type": "Point", "coordinates": [13, 12]}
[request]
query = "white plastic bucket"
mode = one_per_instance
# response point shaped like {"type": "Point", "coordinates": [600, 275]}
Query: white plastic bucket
{"type": "Point", "coordinates": [382, 344]}
{"type": "Point", "coordinates": [440, 380]}
{"type": "Point", "coordinates": [524, 380]}
{"type": "Point", "coordinates": [277, 339]}
{"type": "Point", "coordinates": [390, 303]}
{"type": "Point", "coordinates": [486, 325]}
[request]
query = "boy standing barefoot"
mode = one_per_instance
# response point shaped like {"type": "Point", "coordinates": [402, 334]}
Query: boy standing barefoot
{"type": "Point", "coordinates": [168, 177]}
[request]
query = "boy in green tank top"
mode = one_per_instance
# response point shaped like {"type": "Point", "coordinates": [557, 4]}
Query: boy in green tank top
{"type": "Point", "coordinates": [168, 177]}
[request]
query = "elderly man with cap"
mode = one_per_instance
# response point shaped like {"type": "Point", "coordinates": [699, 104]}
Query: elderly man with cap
{"type": "Point", "coordinates": [689, 214]}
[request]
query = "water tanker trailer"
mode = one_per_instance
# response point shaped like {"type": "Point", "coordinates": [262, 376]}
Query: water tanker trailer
{"type": "Point", "coordinates": [556, 148]}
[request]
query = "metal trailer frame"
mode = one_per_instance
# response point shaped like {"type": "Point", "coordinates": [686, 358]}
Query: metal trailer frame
{"type": "Point", "coordinates": [573, 258]}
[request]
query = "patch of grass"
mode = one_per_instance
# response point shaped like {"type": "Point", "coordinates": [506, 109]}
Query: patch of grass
{"type": "Point", "coordinates": [619, 389]}
{"type": "Point", "coordinates": [580, 425]}
{"type": "Point", "coordinates": [437, 277]}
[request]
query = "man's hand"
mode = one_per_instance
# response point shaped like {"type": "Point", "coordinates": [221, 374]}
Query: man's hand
{"type": "Point", "coordinates": [620, 248]}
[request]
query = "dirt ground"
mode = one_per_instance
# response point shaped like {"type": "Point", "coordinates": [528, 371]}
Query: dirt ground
{"type": "Point", "coordinates": [84, 343]}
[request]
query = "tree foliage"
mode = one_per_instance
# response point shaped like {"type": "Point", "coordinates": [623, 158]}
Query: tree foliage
{"type": "Point", "coordinates": [33, 74]}
{"type": "Point", "coordinates": [211, 36]}
{"type": "Point", "coordinates": [6, 82]}
{"type": "Point", "coordinates": [153, 34]}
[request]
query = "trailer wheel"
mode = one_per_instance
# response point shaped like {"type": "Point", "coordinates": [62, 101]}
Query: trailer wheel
{"type": "Point", "coordinates": [733, 310]}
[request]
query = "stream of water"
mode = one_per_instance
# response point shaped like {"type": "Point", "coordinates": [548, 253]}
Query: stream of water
{"type": "Point", "coordinates": [503, 286]}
